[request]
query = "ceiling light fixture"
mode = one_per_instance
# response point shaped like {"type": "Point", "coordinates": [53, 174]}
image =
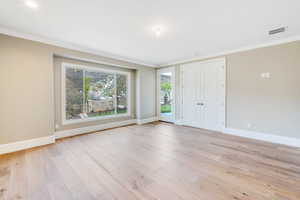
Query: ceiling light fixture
{"type": "Point", "coordinates": [158, 30]}
{"type": "Point", "coordinates": [31, 4]}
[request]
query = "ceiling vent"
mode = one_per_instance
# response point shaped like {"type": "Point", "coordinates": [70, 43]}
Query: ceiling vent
{"type": "Point", "coordinates": [278, 30]}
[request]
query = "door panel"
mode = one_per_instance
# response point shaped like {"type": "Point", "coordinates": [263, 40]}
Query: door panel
{"type": "Point", "coordinates": [211, 95]}
{"type": "Point", "coordinates": [204, 94]}
{"type": "Point", "coordinates": [190, 112]}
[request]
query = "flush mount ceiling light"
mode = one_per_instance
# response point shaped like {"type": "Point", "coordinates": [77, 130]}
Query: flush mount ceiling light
{"type": "Point", "coordinates": [158, 30]}
{"type": "Point", "coordinates": [31, 4]}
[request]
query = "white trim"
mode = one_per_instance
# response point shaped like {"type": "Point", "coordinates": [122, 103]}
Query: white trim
{"type": "Point", "coordinates": [93, 61]}
{"type": "Point", "coordinates": [224, 53]}
{"type": "Point", "coordinates": [178, 122]}
{"type": "Point", "coordinates": [45, 40]}
{"type": "Point", "coordinates": [147, 120]}
{"type": "Point", "coordinates": [225, 94]}
{"type": "Point", "coordinates": [93, 69]}
{"type": "Point", "coordinates": [90, 119]}
{"type": "Point", "coordinates": [138, 94]}
{"type": "Point", "coordinates": [88, 129]}
{"type": "Point", "coordinates": [63, 93]}
{"type": "Point", "coordinates": [26, 144]}
{"type": "Point", "coordinates": [32, 37]}
{"type": "Point", "coordinates": [264, 137]}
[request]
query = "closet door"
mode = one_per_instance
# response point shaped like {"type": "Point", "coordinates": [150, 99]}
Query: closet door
{"type": "Point", "coordinates": [190, 92]}
{"type": "Point", "coordinates": [210, 94]}
{"type": "Point", "coordinates": [204, 94]}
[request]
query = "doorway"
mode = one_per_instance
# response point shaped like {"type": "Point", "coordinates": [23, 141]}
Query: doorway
{"type": "Point", "coordinates": [166, 94]}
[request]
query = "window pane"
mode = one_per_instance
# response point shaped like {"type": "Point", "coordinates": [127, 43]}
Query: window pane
{"type": "Point", "coordinates": [121, 93]}
{"type": "Point", "coordinates": [74, 95]}
{"type": "Point", "coordinates": [99, 94]}
{"type": "Point", "coordinates": [165, 94]}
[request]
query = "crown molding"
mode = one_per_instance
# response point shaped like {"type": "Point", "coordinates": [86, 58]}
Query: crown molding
{"type": "Point", "coordinates": [67, 45]}
{"type": "Point", "coordinates": [14, 33]}
{"type": "Point", "coordinates": [246, 48]}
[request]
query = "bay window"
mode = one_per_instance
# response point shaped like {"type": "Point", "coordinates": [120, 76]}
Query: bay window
{"type": "Point", "coordinates": [91, 94]}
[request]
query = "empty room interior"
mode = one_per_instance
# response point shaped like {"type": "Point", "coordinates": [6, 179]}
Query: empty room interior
{"type": "Point", "coordinates": [149, 100]}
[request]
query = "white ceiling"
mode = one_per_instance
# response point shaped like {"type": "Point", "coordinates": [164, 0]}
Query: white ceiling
{"type": "Point", "coordinates": [193, 28]}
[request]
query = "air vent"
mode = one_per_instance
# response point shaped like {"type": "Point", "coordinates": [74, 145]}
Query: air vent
{"type": "Point", "coordinates": [278, 30]}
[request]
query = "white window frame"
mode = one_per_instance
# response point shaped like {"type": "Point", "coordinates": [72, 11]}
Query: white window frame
{"type": "Point", "coordinates": [92, 69]}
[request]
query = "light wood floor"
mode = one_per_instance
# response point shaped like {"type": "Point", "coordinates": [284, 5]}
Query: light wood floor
{"type": "Point", "coordinates": [153, 161]}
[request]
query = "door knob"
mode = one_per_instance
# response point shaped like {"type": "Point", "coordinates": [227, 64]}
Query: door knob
{"type": "Point", "coordinates": [200, 104]}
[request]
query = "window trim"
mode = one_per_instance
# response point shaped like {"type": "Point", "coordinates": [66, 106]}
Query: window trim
{"type": "Point", "coordinates": [66, 65]}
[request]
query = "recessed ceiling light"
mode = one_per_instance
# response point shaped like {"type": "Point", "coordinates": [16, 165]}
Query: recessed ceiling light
{"type": "Point", "coordinates": [158, 30]}
{"type": "Point", "coordinates": [31, 4]}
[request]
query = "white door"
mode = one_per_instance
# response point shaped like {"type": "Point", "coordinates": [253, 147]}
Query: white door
{"type": "Point", "coordinates": [166, 94]}
{"type": "Point", "coordinates": [203, 100]}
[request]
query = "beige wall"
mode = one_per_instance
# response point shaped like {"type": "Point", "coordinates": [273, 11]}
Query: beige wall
{"type": "Point", "coordinates": [269, 106]}
{"type": "Point", "coordinates": [147, 83]}
{"type": "Point", "coordinates": [27, 87]}
{"type": "Point", "coordinates": [26, 102]}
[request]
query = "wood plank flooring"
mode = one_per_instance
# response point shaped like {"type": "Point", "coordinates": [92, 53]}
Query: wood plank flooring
{"type": "Point", "coordinates": [155, 161]}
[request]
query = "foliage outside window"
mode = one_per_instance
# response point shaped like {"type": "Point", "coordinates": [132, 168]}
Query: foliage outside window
{"type": "Point", "coordinates": [165, 93]}
{"type": "Point", "coordinates": [94, 93]}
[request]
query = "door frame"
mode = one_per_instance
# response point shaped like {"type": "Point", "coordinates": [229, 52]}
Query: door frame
{"type": "Point", "coordinates": [173, 83]}
{"type": "Point", "coordinates": [224, 92]}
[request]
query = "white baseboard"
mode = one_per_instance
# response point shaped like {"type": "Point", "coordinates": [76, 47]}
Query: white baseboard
{"type": "Point", "coordinates": [178, 122]}
{"type": "Point", "coordinates": [17, 146]}
{"type": "Point", "coordinates": [78, 131]}
{"type": "Point", "coordinates": [264, 137]}
{"type": "Point", "coordinates": [147, 120]}
{"type": "Point", "coordinates": [26, 144]}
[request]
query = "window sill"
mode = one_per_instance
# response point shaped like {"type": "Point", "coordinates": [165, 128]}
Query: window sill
{"type": "Point", "coordinates": [76, 121]}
